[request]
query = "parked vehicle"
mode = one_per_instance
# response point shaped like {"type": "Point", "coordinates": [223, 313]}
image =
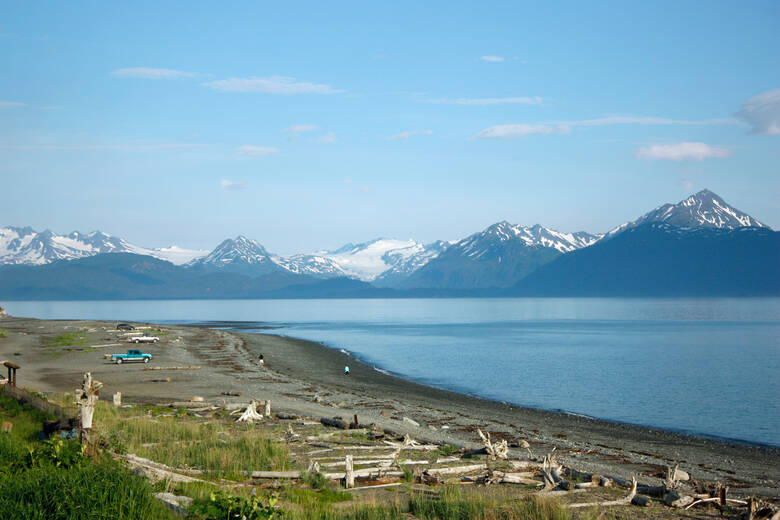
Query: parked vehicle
{"type": "Point", "coordinates": [144, 339]}
{"type": "Point", "coordinates": [132, 355]}
{"type": "Point", "coordinates": [125, 326]}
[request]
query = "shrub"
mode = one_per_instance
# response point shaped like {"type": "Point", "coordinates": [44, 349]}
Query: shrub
{"type": "Point", "coordinates": [221, 506]}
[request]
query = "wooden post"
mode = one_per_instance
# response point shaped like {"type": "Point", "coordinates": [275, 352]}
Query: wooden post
{"type": "Point", "coordinates": [86, 397]}
{"type": "Point", "coordinates": [267, 411]}
{"type": "Point", "coordinates": [12, 367]}
{"type": "Point", "coordinates": [349, 476]}
{"type": "Point", "coordinates": [118, 399]}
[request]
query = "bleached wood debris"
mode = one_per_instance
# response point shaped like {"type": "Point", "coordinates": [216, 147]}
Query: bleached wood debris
{"type": "Point", "coordinates": [499, 450]}
{"type": "Point", "coordinates": [250, 414]}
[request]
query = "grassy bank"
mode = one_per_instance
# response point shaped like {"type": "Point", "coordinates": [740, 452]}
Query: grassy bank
{"type": "Point", "coordinates": [52, 480]}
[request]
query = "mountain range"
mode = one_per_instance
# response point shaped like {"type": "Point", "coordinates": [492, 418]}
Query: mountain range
{"type": "Point", "coordinates": [699, 246]}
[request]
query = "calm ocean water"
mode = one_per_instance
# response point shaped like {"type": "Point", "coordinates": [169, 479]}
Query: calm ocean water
{"type": "Point", "coordinates": [704, 366]}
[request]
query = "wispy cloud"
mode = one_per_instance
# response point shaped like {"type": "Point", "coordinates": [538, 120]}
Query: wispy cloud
{"type": "Point", "coordinates": [327, 138]}
{"type": "Point", "coordinates": [564, 127]}
{"type": "Point", "coordinates": [406, 134]}
{"type": "Point", "coordinates": [683, 152]}
{"type": "Point", "coordinates": [232, 186]}
{"type": "Point", "coordinates": [522, 130]}
{"type": "Point", "coordinates": [19, 104]}
{"type": "Point", "coordinates": [299, 129]}
{"type": "Point", "coordinates": [523, 100]}
{"type": "Point", "coordinates": [642, 120]}
{"type": "Point", "coordinates": [271, 85]}
{"type": "Point", "coordinates": [97, 147]}
{"type": "Point", "coordinates": [256, 151]}
{"type": "Point", "coordinates": [494, 59]}
{"type": "Point", "coordinates": [151, 73]}
{"type": "Point", "coordinates": [762, 113]}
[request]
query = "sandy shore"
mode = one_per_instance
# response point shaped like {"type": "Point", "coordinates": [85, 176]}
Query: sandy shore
{"type": "Point", "coordinates": [307, 378]}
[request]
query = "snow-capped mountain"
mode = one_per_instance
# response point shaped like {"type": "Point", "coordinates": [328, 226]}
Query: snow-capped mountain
{"type": "Point", "coordinates": [238, 255]}
{"type": "Point", "coordinates": [702, 209]}
{"type": "Point", "coordinates": [479, 244]}
{"type": "Point", "coordinates": [364, 261]}
{"type": "Point", "coordinates": [27, 246]}
{"type": "Point", "coordinates": [498, 256]}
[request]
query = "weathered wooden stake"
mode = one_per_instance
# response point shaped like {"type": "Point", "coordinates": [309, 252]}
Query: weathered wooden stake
{"type": "Point", "coordinates": [268, 408]}
{"type": "Point", "coordinates": [349, 477]}
{"type": "Point", "coordinates": [86, 397]}
{"type": "Point", "coordinates": [118, 399]}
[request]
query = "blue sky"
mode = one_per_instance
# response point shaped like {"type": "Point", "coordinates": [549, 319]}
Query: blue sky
{"type": "Point", "coordinates": [307, 125]}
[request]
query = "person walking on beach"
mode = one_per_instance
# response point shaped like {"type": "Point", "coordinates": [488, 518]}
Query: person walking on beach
{"type": "Point", "coordinates": [346, 370]}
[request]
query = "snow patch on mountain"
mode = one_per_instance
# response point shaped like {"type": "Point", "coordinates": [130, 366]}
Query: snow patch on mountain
{"type": "Point", "coordinates": [369, 260]}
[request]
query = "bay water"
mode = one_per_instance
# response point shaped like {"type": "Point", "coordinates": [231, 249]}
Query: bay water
{"type": "Point", "coordinates": [703, 366]}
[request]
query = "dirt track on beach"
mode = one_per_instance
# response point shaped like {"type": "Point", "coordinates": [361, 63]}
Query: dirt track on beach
{"type": "Point", "coordinates": [307, 378]}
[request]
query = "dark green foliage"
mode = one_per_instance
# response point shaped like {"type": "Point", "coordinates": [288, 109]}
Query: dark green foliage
{"type": "Point", "coordinates": [448, 449]}
{"type": "Point", "coordinates": [221, 506]}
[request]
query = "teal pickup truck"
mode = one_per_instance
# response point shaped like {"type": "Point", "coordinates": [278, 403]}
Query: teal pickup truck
{"type": "Point", "coordinates": [132, 355]}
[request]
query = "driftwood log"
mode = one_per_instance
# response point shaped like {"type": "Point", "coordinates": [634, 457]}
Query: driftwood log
{"type": "Point", "coordinates": [335, 422]}
{"type": "Point", "coordinates": [622, 501]}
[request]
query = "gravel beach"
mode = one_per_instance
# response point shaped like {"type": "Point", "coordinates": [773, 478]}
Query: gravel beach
{"type": "Point", "coordinates": [306, 378]}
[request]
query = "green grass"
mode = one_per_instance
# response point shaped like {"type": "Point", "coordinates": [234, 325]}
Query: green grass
{"type": "Point", "coordinates": [221, 448]}
{"type": "Point", "coordinates": [27, 421]}
{"type": "Point", "coordinates": [101, 490]}
{"type": "Point", "coordinates": [75, 339]}
{"type": "Point", "coordinates": [3, 333]}
{"type": "Point", "coordinates": [51, 480]}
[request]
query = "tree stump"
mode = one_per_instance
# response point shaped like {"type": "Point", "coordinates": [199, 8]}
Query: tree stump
{"type": "Point", "coordinates": [250, 414]}
{"type": "Point", "coordinates": [86, 398]}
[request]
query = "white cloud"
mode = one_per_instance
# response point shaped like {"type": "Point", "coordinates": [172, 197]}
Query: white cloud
{"type": "Point", "coordinates": [329, 137]}
{"type": "Point", "coordinates": [762, 113]}
{"type": "Point", "coordinates": [232, 186]}
{"type": "Point", "coordinates": [271, 85]}
{"type": "Point", "coordinates": [685, 183]}
{"type": "Point", "coordinates": [683, 152]}
{"type": "Point", "coordinates": [11, 104]}
{"type": "Point", "coordinates": [524, 100]}
{"type": "Point", "coordinates": [406, 134]}
{"type": "Point", "coordinates": [256, 151]}
{"type": "Point", "coordinates": [299, 129]}
{"type": "Point", "coordinates": [150, 73]}
{"type": "Point", "coordinates": [494, 59]}
{"type": "Point", "coordinates": [95, 147]}
{"type": "Point", "coordinates": [517, 131]}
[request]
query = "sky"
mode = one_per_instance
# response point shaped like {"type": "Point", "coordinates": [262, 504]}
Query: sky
{"type": "Point", "coordinates": [307, 125]}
